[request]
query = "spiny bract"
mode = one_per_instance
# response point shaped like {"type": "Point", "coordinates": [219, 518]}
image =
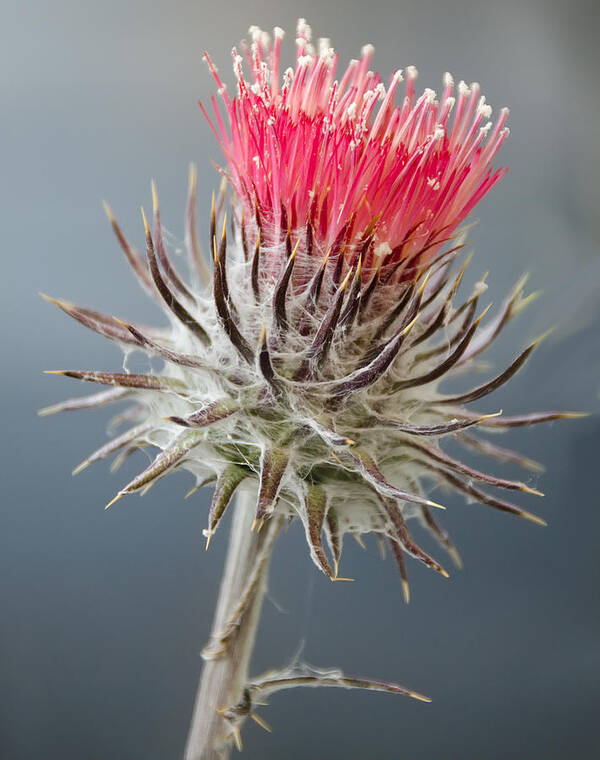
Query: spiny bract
{"type": "Point", "coordinates": [306, 366]}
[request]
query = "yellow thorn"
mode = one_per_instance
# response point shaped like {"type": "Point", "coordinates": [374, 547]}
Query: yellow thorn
{"type": "Point", "coordinates": [263, 335]}
{"type": "Point", "coordinates": [257, 524]}
{"type": "Point", "coordinates": [237, 738]}
{"type": "Point", "coordinates": [444, 573]}
{"type": "Point", "coordinates": [346, 279]}
{"type": "Point", "coordinates": [521, 282]}
{"type": "Point", "coordinates": [424, 284]}
{"type": "Point", "coordinates": [420, 697]}
{"type": "Point", "coordinates": [208, 537]}
{"type": "Point", "coordinates": [349, 442]}
{"type": "Point", "coordinates": [154, 196]}
{"type": "Point", "coordinates": [146, 227]}
{"type": "Point", "coordinates": [335, 578]}
{"type": "Point", "coordinates": [574, 415]}
{"type": "Point", "coordinates": [261, 722]}
{"type": "Point", "coordinates": [359, 268]}
{"type": "Point", "coordinates": [435, 504]}
{"type": "Point", "coordinates": [47, 410]}
{"type": "Point", "coordinates": [215, 250]}
{"type": "Point", "coordinates": [527, 489]}
{"type": "Point", "coordinates": [121, 322]}
{"type": "Point", "coordinates": [410, 325]}
{"type": "Point", "coordinates": [80, 467]}
{"type": "Point", "coordinates": [224, 230]}
{"type": "Point", "coordinates": [534, 519]}
{"type": "Point", "coordinates": [55, 371]}
{"type": "Point", "coordinates": [359, 540]}
{"type": "Point", "coordinates": [336, 567]}
{"type": "Point", "coordinates": [455, 557]}
{"type": "Point", "coordinates": [108, 212]}
{"type": "Point", "coordinates": [461, 274]}
{"type": "Point", "coordinates": [488, 416]}
{"type": "Point", "coordinates": [117, 497]}
{"type": "Point", "coordinates": [406, 590]}
{"type": "Point", "coordinates": [293, 256]}
{"type": "Point", "coordinates": [191, 491]}
{"type": "Point", "coordinates": [61, 303]}
{"type": "Point", "coordinates": [531, 464]}
{"type": "Point", "coordinates": [537, 341]}
{"type": "Point", "coordinates": [482, 315]}
{"type": "Point", "coordinates": [526, 301]}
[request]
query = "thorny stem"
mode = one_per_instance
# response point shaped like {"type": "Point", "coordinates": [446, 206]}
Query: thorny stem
{"type": "Point", "coordinates": [233, 633]}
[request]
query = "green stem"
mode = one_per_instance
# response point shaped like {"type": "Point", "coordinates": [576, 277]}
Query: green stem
{"type": "Point", "coordinates": [233, 634]}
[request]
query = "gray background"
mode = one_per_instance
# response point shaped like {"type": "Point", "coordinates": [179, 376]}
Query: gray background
{"type": "Point", "coordinates": [104, 613]}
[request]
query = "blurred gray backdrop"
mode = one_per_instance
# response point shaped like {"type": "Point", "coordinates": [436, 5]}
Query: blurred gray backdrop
{"type": "Point", "coordinates": [104, 613]}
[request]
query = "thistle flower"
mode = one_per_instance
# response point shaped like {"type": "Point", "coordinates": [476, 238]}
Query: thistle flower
{"type": "Point", "coordinates": [306, 366]}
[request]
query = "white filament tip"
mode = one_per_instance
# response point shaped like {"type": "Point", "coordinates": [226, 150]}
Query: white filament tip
{"type": "Point", "coordinates": [483, 108]}
{"type": "Point", "coordinates": [255, 32]}
{"type": "Point", "coordinates": [326, 52]}
{"type": "Point", "coordinates": [367, 51]}
{"type": "Point", "coordinates": [412, 72]}
{"type": "Point", "coordinates": [303, 29]}
{"type": "Point", "coordinates": [448, 79]}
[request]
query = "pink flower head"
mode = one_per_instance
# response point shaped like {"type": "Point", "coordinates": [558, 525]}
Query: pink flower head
{"type": "Point", "coordinates": [340, 157]}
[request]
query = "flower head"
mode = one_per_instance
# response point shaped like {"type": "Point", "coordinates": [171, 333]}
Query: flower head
{"type": "Point", "coordinates": [306, 366]}
{"type": "Point", "coordinates": [340, 156]}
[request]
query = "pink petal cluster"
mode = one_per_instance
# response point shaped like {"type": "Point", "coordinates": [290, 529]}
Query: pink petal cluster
{"type": "Point", "coordinates": [341, 155]}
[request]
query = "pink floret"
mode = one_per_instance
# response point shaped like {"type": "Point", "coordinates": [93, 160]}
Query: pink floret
{"type": "Point", "coordinates": [341, 156]}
